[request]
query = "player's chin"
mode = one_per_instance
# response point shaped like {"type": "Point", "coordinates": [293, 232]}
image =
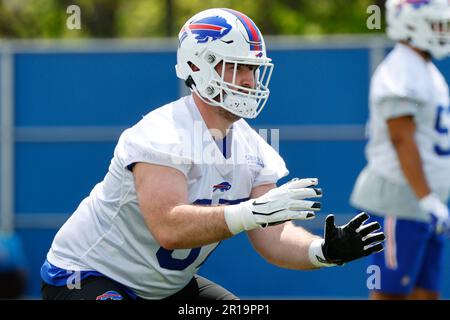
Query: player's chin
{"type": "Point", "coordinates": [224, 113]}
{"type": "Point", "coordinates": [228, 115]}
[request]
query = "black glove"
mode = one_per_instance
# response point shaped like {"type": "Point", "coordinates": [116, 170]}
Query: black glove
{"type": "Point", "coordinates": [351, 241]}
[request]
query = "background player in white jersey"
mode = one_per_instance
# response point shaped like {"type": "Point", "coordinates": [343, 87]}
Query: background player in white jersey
{"type": "Point", "coordinates": [180, 182]}
{"type": "Point", "coordinates": [406, 183]}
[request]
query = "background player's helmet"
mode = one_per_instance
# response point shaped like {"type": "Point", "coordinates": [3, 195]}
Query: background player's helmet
{"type": "Point", "coordinates": [224, 36]}
{"type": "Point", "coordinates": [425, 24]}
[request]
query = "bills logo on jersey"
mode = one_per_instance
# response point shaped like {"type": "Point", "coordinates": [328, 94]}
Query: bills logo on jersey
{"type": "Point", "coordinates": [222, 187]}
{"type": "Point", "coordinates": [209, 28]}
{"type": "Point", "coordinates": [109, 295]}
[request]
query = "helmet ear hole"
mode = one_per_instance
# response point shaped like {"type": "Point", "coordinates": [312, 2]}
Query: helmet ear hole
{"type": "Point", "coordinates": [193, 67]}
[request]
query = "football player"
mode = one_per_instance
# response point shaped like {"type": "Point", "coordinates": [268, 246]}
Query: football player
{"type": "Point", "coordinates": [406, 183]}
{"type": "Point", "coordinates": [191, 174]}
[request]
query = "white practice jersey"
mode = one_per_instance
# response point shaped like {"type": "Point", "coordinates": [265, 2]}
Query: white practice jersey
{"type": "Point", "coordinates": [405, 84]}
{"type": "Point", "coordinates": [107, 233]}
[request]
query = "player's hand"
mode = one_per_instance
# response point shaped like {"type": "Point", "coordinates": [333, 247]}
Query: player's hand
{"type": "Point", "coordinates": [432, 205]}
{"type": "Point", "coordinates": [279, 205]}
{"type": "Point", "coordinates": [346, 243]}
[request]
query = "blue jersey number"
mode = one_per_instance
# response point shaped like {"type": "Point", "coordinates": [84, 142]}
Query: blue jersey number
{"type": "Point", "coordinates": [166, 260]}
{"type": "Point", "coordinates": [164, 256]}
{"type": "Point", "coordinates": [442, 127]}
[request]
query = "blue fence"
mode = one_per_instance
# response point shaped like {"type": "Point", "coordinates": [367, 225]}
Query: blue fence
{"type": "Point", "coordinates": [70, 105]}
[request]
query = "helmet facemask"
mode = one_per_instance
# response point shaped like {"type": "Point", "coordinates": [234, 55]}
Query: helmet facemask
{"type": "Point", "coordinates": [439, 39]}
{"type": "Point", "coordinates": [240, 100]}
{"type": "Point", "coordinates": [433, 38]}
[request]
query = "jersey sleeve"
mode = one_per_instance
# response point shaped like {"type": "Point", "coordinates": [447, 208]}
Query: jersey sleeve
{"type": "Point", "coordinates": [155, 143]}
{"type": "Point", "coordinates": [398, 86]}
{"type": "Point", "coordinates": [395, 107]}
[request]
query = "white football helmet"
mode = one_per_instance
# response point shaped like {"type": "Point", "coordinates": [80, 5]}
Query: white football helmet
{"type": "Point", "coordinates": [425, 24]}
{"type": "Point", "coordinates": [224, 36]}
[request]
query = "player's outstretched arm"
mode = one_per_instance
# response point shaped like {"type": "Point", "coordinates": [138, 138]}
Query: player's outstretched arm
{"type": "Point", "coordinates": [346, 243]}
{"type": "Point", "coordinates": [163, 199]}
{"type": "Point", "coordinates": [175, 224]}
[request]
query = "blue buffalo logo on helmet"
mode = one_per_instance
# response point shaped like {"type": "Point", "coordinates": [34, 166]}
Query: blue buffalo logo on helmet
{"type": "Point", "coordinates": [222, 187]}
{"type": "Point", "coordinates": [415, 3]}
{"type": "Point", "coordinates": [215, 27]}
{"type": "Point", "coordinates": [206, 29]}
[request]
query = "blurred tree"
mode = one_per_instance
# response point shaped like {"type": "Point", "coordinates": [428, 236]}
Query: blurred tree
{"type": "Point", "coordinates": [160, 18]}
{"type": "Point", "coordinates": [31, 19]}
{"type": "Point", "coordinates": [142, 18]}
{"type": "Point", "coordinates": [169, 18]}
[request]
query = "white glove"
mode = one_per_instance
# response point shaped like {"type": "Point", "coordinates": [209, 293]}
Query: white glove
{"type": "Point", "coordinates": [432, 205]}
{"type": "Point", "coordinates": [276, 206]}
